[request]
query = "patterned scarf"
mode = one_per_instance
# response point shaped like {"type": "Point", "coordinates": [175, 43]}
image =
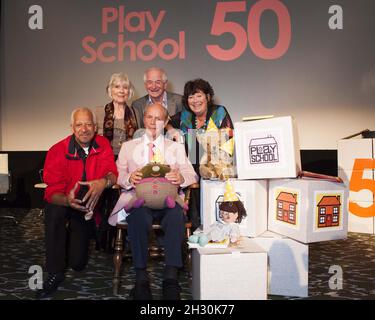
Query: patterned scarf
{"type": "Point", "coordinates": [130, 123]}
{"type": "Point", "coordinates": [188, 119]}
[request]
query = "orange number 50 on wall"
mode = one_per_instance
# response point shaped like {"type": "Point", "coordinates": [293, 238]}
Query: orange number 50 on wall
{"type": "Point", "coordinates": [357, 183]}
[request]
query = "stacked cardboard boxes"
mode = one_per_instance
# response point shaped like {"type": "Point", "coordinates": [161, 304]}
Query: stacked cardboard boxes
{"type": "Point", "coordinates": [295, 211]}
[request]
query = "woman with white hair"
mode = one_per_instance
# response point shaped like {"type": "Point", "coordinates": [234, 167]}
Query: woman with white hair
{"type": "Point", "coordinates": [117, 123]}
{"type": "Point", "coordinates": [120, 120]}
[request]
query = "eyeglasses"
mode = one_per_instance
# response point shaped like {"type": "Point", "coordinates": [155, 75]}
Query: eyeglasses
{"type": "Point", "coordinates": [157, 82]}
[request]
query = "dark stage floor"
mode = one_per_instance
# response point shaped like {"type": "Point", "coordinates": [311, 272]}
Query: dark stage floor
{"type": "Point", "coordinates": [22, 246]}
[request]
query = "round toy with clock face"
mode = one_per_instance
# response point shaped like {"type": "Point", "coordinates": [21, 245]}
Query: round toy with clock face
{"type": "Point", "coordinates": [155, 170]}
{"type": "Point", "coordinates": [154, 190]}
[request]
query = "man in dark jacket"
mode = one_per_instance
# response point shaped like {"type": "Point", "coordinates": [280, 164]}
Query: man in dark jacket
{"type": "Point", "coordinates": [156, 81]}
{"type": "Point", "coordinates": [76, 171]}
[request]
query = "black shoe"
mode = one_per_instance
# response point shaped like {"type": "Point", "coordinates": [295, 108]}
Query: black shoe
{"type": "Point", "coordinates": [141, 291]}
{"type": "Point", "coordinates": [50, 285]}
{"type": "Point", "coordinates": [171, 290]}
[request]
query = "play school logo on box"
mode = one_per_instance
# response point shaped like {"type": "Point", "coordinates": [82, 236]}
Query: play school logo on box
{"type": "Point", "coordinates": [263, 150]}
{"type": "Point", "coordinates": [267, 148]}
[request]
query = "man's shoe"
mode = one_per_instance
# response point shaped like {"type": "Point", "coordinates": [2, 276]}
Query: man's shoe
{"type": "Point", "coordinates": [171, 290]}
{"type": "Point", "coordinates": [141, 291]}
{"type": "Point", "coordinates": [50, 285]}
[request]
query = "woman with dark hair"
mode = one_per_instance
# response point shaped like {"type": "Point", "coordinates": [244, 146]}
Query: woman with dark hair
{"type": "Point", "coordinates": [199, 110]}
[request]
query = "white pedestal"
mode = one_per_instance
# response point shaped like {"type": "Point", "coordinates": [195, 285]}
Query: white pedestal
{"type": "Point", "coordinates": [230, 274]}
{"type": "Point", "coordinates": [288, 265]}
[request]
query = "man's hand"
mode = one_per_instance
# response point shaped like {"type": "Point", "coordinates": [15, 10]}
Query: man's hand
{"type": "Point", "coordinates": [75, 203]}
{"type": "Point", "coordinates": [92, 196]}
{"type": "Point", "coordinates": [174, 134]}
{"type": "Point", "coordinates": [136, 177]}
{"type": "Point", "coordinates": [175, 177]}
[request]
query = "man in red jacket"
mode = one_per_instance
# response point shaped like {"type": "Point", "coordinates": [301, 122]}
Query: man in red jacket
{"type": "Point", "coordinates": [76, 171]}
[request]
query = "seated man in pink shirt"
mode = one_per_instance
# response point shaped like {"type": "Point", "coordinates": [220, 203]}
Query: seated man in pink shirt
{"type": "Point", "coordinates": [133, 156]}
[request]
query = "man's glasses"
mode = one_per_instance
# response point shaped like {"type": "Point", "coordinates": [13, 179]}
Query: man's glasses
{"type": "Point", "coordinates": [157, 82]}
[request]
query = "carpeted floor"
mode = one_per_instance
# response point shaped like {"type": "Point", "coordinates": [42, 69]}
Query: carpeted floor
{"type": "Point", "coordinates": [22, 246]}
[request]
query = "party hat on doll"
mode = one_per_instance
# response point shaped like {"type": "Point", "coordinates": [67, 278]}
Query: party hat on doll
{"type": "Point", "coordinates": [229, 194]}
{"type": "Point", "coordinates": [211, 127]}
{"type": "Point", "coordinates": [158, 157]}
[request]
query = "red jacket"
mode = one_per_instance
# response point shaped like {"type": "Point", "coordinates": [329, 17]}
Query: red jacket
{"type": "Point", "coordinates": [63, 167]}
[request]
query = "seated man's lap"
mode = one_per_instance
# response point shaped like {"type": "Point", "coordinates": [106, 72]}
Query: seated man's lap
{"type": "Point", "coordinates": [146, 217]}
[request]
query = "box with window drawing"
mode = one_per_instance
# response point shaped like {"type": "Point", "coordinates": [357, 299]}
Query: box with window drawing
{"type": "Point", "coordinates": [267, 148]}
{"type": "Point", "coordinates": [356, 166]}
{"type": "Point", "coordinates": [234, 273]}
{"type": "Point", "coordinates": [288, 264]}
{"type": "Point", "coordinates": [253, 195]}
{"type": "Point", "coordinates": [308, 209]}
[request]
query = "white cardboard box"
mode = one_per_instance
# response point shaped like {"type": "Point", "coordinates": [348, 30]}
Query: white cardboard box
{"type": "Point", "coordinates": [267, 148]}
{"type": "Point", "coordinates": [308, 210]}
{"type": "Point", "coordinates": [364, 194]}
{"type": "Point", "coordinates": [230, 274]}
{"type": "Point", "coordinates": [348, 151]}
{"type": "Point", "coordinates": [253, 194]}
{"type": "Point", "coordinates": [288, 264]}
{"type": "Point", "coordinates": [361, 224]}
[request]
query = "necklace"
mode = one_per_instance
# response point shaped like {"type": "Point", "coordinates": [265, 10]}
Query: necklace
{"type": "Point", "coordinates": [119, 112]}
{"type": "Point", "coordinates": [197, 122]}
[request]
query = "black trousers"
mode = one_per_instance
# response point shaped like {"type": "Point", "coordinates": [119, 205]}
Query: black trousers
{"type": "Point", "coordinates": [139, 226]}
{"type": "Point", "coordinates": [194, 208]}
{"type": "Point", "coordinates": [64, 245]}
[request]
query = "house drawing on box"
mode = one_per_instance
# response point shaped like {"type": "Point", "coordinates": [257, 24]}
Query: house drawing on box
{"type": "Point", "coordinates": [286, 210]}
{"type": "Point", "coordinates": [329, 211]}
{"type": "Point", "coordinates": [263, 150]}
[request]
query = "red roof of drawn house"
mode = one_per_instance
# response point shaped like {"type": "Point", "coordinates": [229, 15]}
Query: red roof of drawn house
{"type": "Point", "coordinates": [329, 201]}
{"type": "Point", "coordinates": [287, 197]}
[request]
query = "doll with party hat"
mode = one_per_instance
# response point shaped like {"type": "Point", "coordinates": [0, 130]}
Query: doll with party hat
{"type": "Point", "coordinates": [231, 213]}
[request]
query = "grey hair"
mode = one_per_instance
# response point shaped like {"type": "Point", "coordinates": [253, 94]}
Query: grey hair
{"type": "Point", "coordinates": [82, 109]}
{"type": "Point", "coordinates": [165, 111]}
{"type": "Point", "coordinates": [164, 76]}
{"type": "Point", "coordinates": [120, 77]}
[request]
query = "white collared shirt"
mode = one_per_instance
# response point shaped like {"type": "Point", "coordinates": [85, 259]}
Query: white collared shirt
{"type": "Point", "coordinates": [158, 145]}
{"type": "Point", "coordinates": [164, 102]}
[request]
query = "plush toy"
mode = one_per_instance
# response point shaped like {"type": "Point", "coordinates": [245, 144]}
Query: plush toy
{"type": "Point", "coordinates": [154, 190]}
{"type": "Point", "coordinates": [231, 214]}
{"type": "Point", "coordinates": [217, 160]}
